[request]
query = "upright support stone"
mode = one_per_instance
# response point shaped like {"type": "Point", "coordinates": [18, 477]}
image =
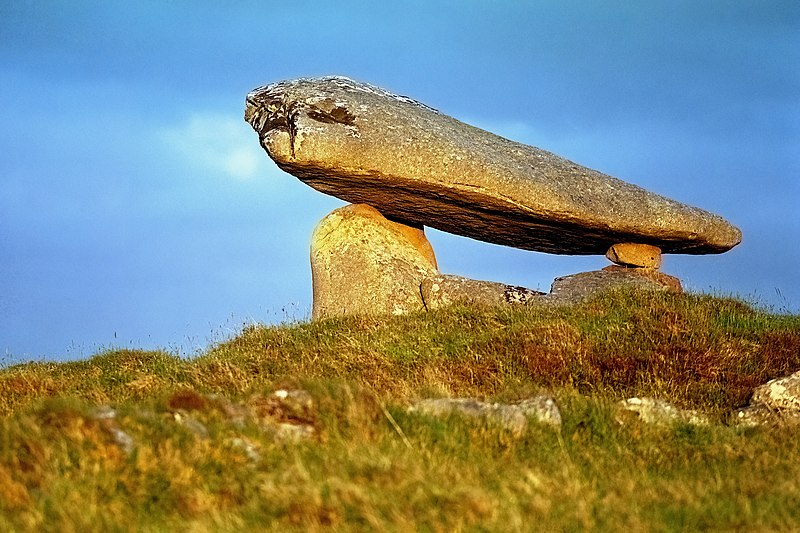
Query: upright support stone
{"type": "Point", "coordinates": [365, 264]}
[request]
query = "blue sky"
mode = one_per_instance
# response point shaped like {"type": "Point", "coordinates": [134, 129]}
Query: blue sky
{"type": "Point", "coordinates": [138, 210]}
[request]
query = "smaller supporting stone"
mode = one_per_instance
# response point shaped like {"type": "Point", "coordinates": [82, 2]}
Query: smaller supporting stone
{"type": "Point", "coordinates": [635, 255]}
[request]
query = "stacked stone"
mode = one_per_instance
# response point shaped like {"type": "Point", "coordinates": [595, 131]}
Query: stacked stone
{"type": "Point", "coordinates": [405, 166]}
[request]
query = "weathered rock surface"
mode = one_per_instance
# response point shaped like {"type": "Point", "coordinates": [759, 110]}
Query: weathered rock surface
{"type": "Point", "coordinates": [443, 290]}
{"type": "Point", "coordinates": [775, 402]}
{"type": "Point", "coordinates": [635, 255]}
{"type": "Point", "coordinates": [781, 393]}
{"type": "Point", "coordinates": [667, 282]}
{"type": "Point", "coordinates": [106, 416]}
{"type": "Point", "coordinates": [364, 264]}
{"type": "Point", "coordinates": [654, 411]}
{"type": "Point", "coordinates": [761, 415]}
{"type": "Point", "coordinates": [575, 287]}
{"type": "Point", "coordinates": [365, 145]}
{"type": "Point", "coordinates": [513, 417]}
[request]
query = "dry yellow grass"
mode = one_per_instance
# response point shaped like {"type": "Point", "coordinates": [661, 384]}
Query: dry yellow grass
{"type": "Point", "coordinates": [193, 444]}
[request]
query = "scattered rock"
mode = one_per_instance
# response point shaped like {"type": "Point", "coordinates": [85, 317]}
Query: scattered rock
{"type": "Point", "coordinates": [752, 416]}
{"type": "Point", "coordinates": [653, 411]}
{"type": "Point", "coordinates": [106, 416]}
{"type": "Point", "coordinates": [782, 393]}
{"type": "Point", "coordinates": [293, 432]}
{"type": "Point", "coordinates": [761, 415]}
{"type": "Point", "coordinates": [191, 423]}
{"type": "Point", "coordinates": [506, 416]}
{"type": "Point", "coordinates": [296, 402]}
{"type": "Point", "coordinates": [542, 409]}
{"type": "Point", "coordinates": [511, 417]}
{"type": "Point", "coordinates": [365, 145]}
{"type": "Point", "coordinates": [576, 287]}
{"type": "Point", "coordinates": [443, 290]}
{"type": "Point", "coordinates": [775, 402]}
{"type": "Point", "coordinates": [635, 255]}
{"type": "Point", "coordinates": [286, 414]}
{"type": "Point", "coordinates": [237, 414]}
{"type": "Point", "coordinates": [363, 263]}
{"type": "Point", "coordinates": [248, 447]}
{"type": "Point", "coordinates": [103, 412]}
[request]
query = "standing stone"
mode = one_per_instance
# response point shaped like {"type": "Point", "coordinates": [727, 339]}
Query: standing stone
{"type": "Point", "coordinates": [366, 145]}
{"type": "Point", "coordinates": [365, 264]}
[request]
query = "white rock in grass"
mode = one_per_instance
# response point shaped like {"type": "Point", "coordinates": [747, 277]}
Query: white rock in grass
{"type": "Point", "coordinates": [543, 409]}
{"type": "Point", "coordinates": [780, 393]}
{"type": "Point", "coordinates": [761, 415]}
{"type": "Point", "coordinates": [513, 417]}
{"type": "Point", "coordinates": [654, 411]}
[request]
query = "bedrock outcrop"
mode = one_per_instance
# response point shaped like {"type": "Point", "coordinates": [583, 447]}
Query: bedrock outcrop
{"type": "Point", "coordinates": [363, 144]}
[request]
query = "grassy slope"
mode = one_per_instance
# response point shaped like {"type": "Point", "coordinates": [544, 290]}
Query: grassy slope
{"type": "Point", "coordinates": [374, 466]}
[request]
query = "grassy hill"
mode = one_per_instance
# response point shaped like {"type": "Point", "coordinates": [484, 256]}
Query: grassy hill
{"type": "Point", "coordinates": [136, 440]}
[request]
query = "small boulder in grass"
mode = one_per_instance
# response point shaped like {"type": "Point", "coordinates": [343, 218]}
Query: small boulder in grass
{"type": "Point", "coordinates": [287, 414]}
{"type": "Point", "coordinates": [761, 415]}
{"type": "Point", "coordinates": [513, 417]}
{"type": "Point", "coordinates": [781, 393]}
{"type": "Point", "coordinates": [655, 411]}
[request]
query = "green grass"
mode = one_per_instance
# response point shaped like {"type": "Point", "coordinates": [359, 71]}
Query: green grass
{"type": "Point", "coordinates": [371, 465]}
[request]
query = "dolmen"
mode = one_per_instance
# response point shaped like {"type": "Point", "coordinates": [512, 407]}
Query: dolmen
{"type": "Point", "coordinates": [403, 166]}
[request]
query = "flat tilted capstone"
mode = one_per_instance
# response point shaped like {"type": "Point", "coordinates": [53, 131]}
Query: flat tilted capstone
{"type": "Point", "coordinates": [365, 145]}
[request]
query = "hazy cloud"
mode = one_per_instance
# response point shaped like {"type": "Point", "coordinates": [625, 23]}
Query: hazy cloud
{"type": "Point", "coordinates": [217, 142]}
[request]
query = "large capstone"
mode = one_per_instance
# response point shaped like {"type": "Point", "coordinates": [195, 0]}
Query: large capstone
{"type": "Point", "coordinates": [363, 144]}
